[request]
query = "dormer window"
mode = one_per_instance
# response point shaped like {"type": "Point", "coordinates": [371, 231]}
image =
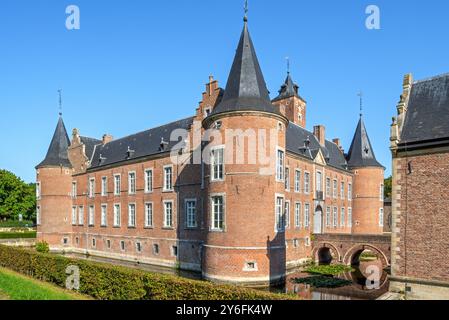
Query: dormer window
{"type": "Point", "coordinates": [129, 153]}
{"type": "Point", "coordinates": [164, 144]}
{"type": "Point", "coordinates": [218, 125]}
{"type": "Point", "coordinates": [207, 112]}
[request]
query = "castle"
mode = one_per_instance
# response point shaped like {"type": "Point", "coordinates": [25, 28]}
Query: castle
{"type": "Point", "coordinates": [241, 211]}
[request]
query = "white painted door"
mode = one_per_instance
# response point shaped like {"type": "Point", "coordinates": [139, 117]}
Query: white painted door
{"type": "Point", "coordinates": [318, 222]}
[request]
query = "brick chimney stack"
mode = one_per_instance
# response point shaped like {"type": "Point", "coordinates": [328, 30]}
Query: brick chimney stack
{"type": "Point", "coordinates": [320, 133]}
{"type": "Point", "coordinates": [107, 138]}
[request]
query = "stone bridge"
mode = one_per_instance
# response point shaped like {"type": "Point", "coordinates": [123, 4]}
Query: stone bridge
{"type": "Point", "coordinates": [346, 249]}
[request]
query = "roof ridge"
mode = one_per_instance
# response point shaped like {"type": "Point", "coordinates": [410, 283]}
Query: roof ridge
{"type": "Point", "coordinates": [432, 78]}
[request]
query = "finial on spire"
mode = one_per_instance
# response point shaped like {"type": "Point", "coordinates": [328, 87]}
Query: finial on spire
{"type": "Point", "coordinates": [288, 64]}
{"type": "Point", "coordinates": [60, 102]}
{"type": "Point", "coordinates": [360, 94]}
{"type": "Point", "coordinates": [246, 11]}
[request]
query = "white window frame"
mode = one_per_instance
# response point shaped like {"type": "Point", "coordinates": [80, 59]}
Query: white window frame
{"type": "Point", "coordinates": [381, 218]}
{"type": "Point", "coordinates": [132, 216]}
{"type": "Point", "coordinates": [81, 215]}
{"type": "Point", "coordinates": [287, 178]}
{"type": "Point", "coordinates": [74, 216]}
{"type": "Point", "coordinates": [349, 217]}
{"type": "Point", "coordinates": [328, 217]}
{"type": "Point", "coordinates": [307, 215]}
{"type": "Point", "coordinates": [168, 183]}
{"type": "Point", "coordinates": [287, 209]}
{"type": "Point", "coordinates": [74, 189]}
{"type": "Point", "coordinates": [188, 214]}
{"type": "Point", "coordinates": [297, 181]}
{"type": "Point", "coordinates": [91, 216]}
{"type": "Point", "coordinates": [149, 222]}
{"type": "Point", "coordinates": [342, 190]}
{"type": "Point", "coordinates": [117, 215]}
{"type": "Point", "coordinates": [213, 226]}
{"type": "Point", "coordinates": [38, 190]}
{"type": "Point", "coordinates": [350, 191]}
{"type": "Point", "coordinates": [280, 164]}
{"type": "Point", "coordinates": [343, 217]}
{"type": "Point", "coordinates": [168, 223]}
{"type": "Point", "coordinates": [298, 212]}
{"type": "Point", "coordinates": [335, 217]}
{"type": "Point", "coordinates": [104, 215]}
{"type": "Point", "coordinates": [307, 182]}
{"type": "Point", "coordinates": [149, 184]}
{"type": "Point", "coordinates": [38, 215]}
{"type": "Point", "coordinates": [220, 166]}
{"type": "Point", "coordinates": [382, 192]}
{"type": "Point", "coordinates": [91, 193]}
{"type": "Point", "coordinates": [319, 185]}
{"type": "Point", "coordinates": [104, 186]}
{"type": "Point", "coordinates": [328, 187]}
{"type": "Point", "coordinates": [279, 213]}
{"type": "Point", "coordinates": [132, 189]}
{"type": "Point", "coordinates": [335, 189]}
{"type": "Point", "coordinates": [117, 187]}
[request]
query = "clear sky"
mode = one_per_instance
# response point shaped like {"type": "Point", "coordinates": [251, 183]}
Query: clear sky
{"type": "Point", "coordinates": [137, 64]}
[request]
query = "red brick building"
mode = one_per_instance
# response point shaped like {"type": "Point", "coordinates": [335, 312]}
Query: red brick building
{"type": "Point", "coordinates": [243, 210]}
{"type": "Point", "coordinates": [419, 143]}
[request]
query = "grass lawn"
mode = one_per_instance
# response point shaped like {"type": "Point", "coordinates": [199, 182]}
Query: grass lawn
{"type": "Point", "coordinates": [14, 286]}
{"type": "Point", "coordinates": [18, 235]}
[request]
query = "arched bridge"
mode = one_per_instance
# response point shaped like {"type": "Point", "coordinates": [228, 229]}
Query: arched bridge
{"type": "Point", "coordinates": [346, 249]}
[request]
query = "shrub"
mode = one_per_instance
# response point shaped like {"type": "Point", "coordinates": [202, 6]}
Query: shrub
{"type": "Point", "coordinates": [18, 235]}
{"type": "Point", "coordinates": [42, 247]}
{"type": "Point", "coordinates": [16, 224]}
{"type": "Point", "coordinates": [108, 282]}
{"type": "Point", "coordinates": [329, 270]}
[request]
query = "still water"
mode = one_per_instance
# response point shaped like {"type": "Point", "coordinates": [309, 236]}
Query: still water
{"type": "Point", "coordinates": [358, 290]}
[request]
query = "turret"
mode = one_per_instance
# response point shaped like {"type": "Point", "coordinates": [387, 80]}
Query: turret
{"type": "Point", "coordinates": [54, 181]}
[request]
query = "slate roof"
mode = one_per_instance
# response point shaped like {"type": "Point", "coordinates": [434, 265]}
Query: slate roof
{"type": "Point", "coordinates": [288, 89]}
{"type": "Point", "coordinates": [361, 153]}
{"type": "Point", "coordinates": [57, 154]}
{"type": "Point", "coordinates": [296, 138]}
{"type": "Point", "coordinates": [90, 144]}
{"type": "Point", "coordinates": [143, 144]}
{"type": "Point", "coordinates": [246, 89]}
{"type": "Point", "coordinates": [427, 116]}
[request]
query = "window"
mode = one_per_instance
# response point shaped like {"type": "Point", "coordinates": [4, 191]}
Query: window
{"type": "Point", "coordinates": [280, 166]}
{"type": "Point", "coordinates": [349, 217]}
{"type": "Point", "coordinates": [328, 216]}
{"type": "Point", "coordinates": [328, 187]}
{"type": "Point", "coordinates": [117, 216]}
{"type": "Point", "coordinates": [38, 190]}
{"type": "Point", "coordinates": [94, 243]}
{"type": "Point", "coordinates": [91, 216]}
{"type": "Point", "coordinates": [132, 183]}
{"type": "Point", "coordinates": [280, 219]}
{"type": "Point", "coordinates": [307, 215]}
{"type": "Point", "coordinates": [287, 178]}
{"type": "Point", "coordinates": [217, 164]}
{"type": "Point", "coordinates": [77, 241]}
{"type": "Point", "coordinates": [306, 183]}
{"type": "Point", "coordinates": [350, 192]}
{"type": "Point", "coordinates": [307, 242]}
{"type": "Point", "coordinates": [174, 251]}
{"type": "Point", "coordinates": [65, 241]}
{"type": "Point", "coordinates": [319, 181]}
{"type": "Point", "coordinates": [117, 185]}
{"type": "Point", "coordinates": [335, 218]}
{"type": "Point", "coordinates": [381, 217]}
{"type": "Point", "coordinates": [122, 245]}
{"type": "Point", "coordinates": [343, 217]}
{"type": "Point", "coordinates": [342, 191]}
{"type": "Point", "coordinates": [74, 190]}
{"type": "Point", "coordinates": [132, 215]}
{"type": "Point", "coordinates": [168, 177]}
{"type": "Point", "coordinates": [148, 215]}
{"type": "Point", "coordinates": [382, 192]}
{"type": "Point", "coordinates": [298, 181]}
{"type": "Point", "coordinates": [104, 186]}
{"type": "Point", "coordinates": [155, 249]}
{"type": "Point", "coordinates": [138, 247]}
{"type": "Point", "coordinates": [287, 214]}
{"type": "Point", "coordinates": [148, 181]}
{"type": "Point", "coordinates": [218, 213]}
{"type": "Point", "coordinates": [108, 244]}
{"type": "Point", "coordinates": [74, 217]}
{"type": "Point", "coordinates": [168, 214]}
{"type": "Point", "coordinates": [334, 191]}
{"type": "Point", "coordinates": [298, 215]}
{"type": "Point", "coordinates": [191, 214]}
{"type": "Point", "coordinates": [104, 215]}
{"type": "Point", "coordinates": [38, 215]}
{"type": "Point", "coordinates": [91, 188]}
{"type": "Point", "coordinates": [81, 216]}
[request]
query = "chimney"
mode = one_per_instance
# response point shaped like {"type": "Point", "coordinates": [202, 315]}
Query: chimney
{"type": "Point", "coordinates": [337, 141]}
{"type": "Point", "coordinates": [320, 134]}
{"type": "Point", "coordinates": [107, 138]}
{"type": "Point", "coordinates": [211, 86]}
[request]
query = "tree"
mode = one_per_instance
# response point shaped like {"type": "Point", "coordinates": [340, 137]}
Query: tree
{"type": "Point", "coordinates": [388, 187]}
{"type": "Point", "coordinates": [16, 197]}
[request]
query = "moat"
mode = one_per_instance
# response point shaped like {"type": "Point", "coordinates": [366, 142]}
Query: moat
{"type": "Point", "coordinates": [358, 288]}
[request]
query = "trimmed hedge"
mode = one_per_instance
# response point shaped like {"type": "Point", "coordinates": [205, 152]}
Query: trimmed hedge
{"type": "Point", "coordinates": [16, 224]}
{"type": "Point", "coordinates": [108, 282]}
{"type": "Point", "coordinates": [18, 235]}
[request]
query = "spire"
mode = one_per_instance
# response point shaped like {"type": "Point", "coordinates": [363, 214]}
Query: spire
{"type": "Point", "coordinates": [288, 89]}
{"type": "Point", "coordinates": [246, 89]}
{"type": "Point", "coordinates": [360, 94]}
{"type": "Point", "coordinates": [57, 154]}
{"type": "Point", "coordinates": [361, 153]}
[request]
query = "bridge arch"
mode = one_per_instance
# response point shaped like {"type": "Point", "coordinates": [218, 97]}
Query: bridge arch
{"type": "Point", "coordinates": [324, 252]}
{"type": "Point", "coordinates": [352, 256]}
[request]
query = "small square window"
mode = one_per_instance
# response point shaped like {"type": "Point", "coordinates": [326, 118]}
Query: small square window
{"type": "Point", "coordinates": [65, 241]}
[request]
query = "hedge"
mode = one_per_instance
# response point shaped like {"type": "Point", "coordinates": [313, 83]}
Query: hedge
{"type": "Point", "coordinates": [16, 224]}
{"type": "Point", "coordinates": [18, 235]}
{"type": "Point", "coordinates": [108, 282]}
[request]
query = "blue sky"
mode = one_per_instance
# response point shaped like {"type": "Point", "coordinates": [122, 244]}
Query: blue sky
{"type": "Point", "coordinates": [137, 64]}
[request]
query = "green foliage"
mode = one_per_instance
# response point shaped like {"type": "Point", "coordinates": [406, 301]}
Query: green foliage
{"type": "Point", "coordinates": [108, 282]}
{"type": "Point", "coordinates": [329, 270]}
{"type": "Point", "coordinates": [323, 282]}
{"type": "Point", "coordinates": [42, 247]}
{"type": "Point", "coordinates": [388, 187]}
{"type": "Point", "coordinates": [16, 197]}
{"type": "Point", "coordinates": [18, 235]}
{"type": "Point", "coordinates": [16, 224]}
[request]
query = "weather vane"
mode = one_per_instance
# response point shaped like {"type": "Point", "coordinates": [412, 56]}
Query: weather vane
{"type": "Point", "coordinates": [246, 10]}
{"type": "Point", "coordinates": [360, 94]}
{"type": "Point", "coordinates": [288, 64]}
{"type": "Point", "coordinates": [60, 102]}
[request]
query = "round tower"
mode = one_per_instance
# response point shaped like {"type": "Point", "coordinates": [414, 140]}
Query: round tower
{"type": "Point", "coordinates": [54, 181]}
{"type": "Point", "coordinates": [368, 181]}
